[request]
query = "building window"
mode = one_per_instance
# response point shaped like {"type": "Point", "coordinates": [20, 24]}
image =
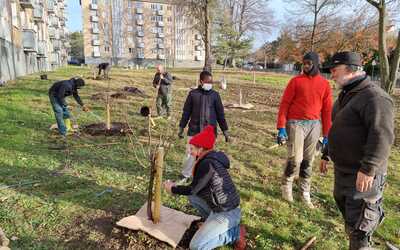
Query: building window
{"type": "Point", "coordinates": [93, 12]}
{"type": "Point", "coordinates": [140, 28]}
{"type": "Point", "coordinates": [96, 49]}
{"type": "Point", "coordinates": [95, 37]}
{"type": "Point", "coordinates": [169, 19]}
{"type": "Point", "coordinates": [139, 17]}
{"type": "Point", "coordinates": [139, 5]}
{"type": "Point", "coordinates": [94, 1]}
{"type": "Point", "coordinates": [140, 39]}
{"type": "Point", "coordinates": [169, 7]}
{"type": "Point", "coordinates": [131, 50]}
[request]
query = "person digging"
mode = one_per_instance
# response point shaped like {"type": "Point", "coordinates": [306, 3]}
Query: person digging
{"type": "Point", "coordinates": [213, 193]}
{"type": "Point", "coordinates": [57, 93]}
{"type": "Point", "coordinates": [163, 81]}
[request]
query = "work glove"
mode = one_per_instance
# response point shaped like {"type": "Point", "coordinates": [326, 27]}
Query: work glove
{"type": "Point", "coordinates": [226, 134]}
{"type": "Point", "coordinates": [324, 149]}
{"type": "Point", "coordinates": [85, 108]}
{"type": "Point", "coordinates": [282, 136]}
{"type": "Point", "coordinates": [180, 133]}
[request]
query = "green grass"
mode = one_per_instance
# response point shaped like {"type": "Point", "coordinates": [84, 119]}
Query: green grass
{"type": "Point", "coordinates": [63, 209]}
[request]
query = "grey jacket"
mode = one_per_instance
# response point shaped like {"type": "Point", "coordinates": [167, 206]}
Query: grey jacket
{"type": "Point", "coordinates": [362, 129]}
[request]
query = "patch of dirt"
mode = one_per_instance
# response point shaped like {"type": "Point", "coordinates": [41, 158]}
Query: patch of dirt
{"type": "Point", "coordinates": [135, 91]}
{"type": "Point", "coordinates": [117, 128]}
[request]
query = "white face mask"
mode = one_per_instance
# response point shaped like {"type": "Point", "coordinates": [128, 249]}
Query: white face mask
{"type": "Point", "coordinates": [207, 86]}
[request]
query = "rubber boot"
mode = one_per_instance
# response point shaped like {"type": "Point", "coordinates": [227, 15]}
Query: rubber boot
{"type": "Point", "coordinates": [305, 188]}
{"type": "Point", "coordinates": [359, 240]}
{"type": "Point", "coordinates": [287, 189]}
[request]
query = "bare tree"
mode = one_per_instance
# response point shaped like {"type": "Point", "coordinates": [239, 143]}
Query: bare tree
{"type": "Point", "coordinates": [320, 10]}
{"type": "Point", "coordinates": [200, 13]}
{"type": "Point", "coordinates": [241, 19]}
{"type": "Point", "coordinates": [388, 69]}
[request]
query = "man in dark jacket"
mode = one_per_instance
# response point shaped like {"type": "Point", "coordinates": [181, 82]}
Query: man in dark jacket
{"type": "Point", "coordinates": [163, 81]}
{"type": "Point", "coordinates": [203, 106]}
{"type": "Point", "coordinates": [57, 94]}
{"type": "Point", "coordinates": [359, 146]}
{"type": "Point", "coordinates": [213, 193]}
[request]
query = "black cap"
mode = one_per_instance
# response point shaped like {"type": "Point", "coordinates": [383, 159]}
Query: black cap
{"type": "Point", "coordinates": [312, 56]}
{"type": "Point", "coordinates": [347, 58]}
{"type": "Point", "coordinates": [79, 82]}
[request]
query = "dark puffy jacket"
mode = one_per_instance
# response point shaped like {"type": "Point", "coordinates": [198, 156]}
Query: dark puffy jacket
{"type": "Point", "coordinates": [362, 130]}
{"type": "Point", "coordinates": [212, 183]}
{"type": "Point", "coordinates": [203, 108]}
{"type": "Point", "coordinates": [65, 88]}
{"type": "Point", "coordinates": [165, 84]}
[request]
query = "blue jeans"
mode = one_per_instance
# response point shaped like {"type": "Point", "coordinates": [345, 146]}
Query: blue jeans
{"type": "Point", "coordinates": [61, 112]}
{"type": "Point", "coordinates": [219, 228]}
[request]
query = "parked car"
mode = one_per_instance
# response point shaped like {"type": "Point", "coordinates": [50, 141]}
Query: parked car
{"type": "Point", "coordinates": [74, 61]}
{"type": "Point", "coordinates": [249, 66]}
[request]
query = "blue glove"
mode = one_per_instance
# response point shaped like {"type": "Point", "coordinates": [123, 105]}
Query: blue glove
{"type": "Point", "coordinates": [325, 141]}
{"type": "Point", "coordinates": [282, 136]}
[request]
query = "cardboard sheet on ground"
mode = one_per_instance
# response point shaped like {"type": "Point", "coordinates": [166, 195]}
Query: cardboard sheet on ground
{"type": "Point", "coordinates": [173, 224]}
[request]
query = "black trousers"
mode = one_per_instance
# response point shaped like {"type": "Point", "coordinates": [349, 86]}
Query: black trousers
{"type": "Point", "coordinates": [362, 212]}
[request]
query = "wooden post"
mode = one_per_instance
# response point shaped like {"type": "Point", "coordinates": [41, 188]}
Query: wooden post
{"type": "Point", "coordinates": [240, 97]}
{"type": "Point", "coordinates": [159, 160]}
{"type": "Point", "coordinates": [254, 76]}
{"type": "Point", "coordinates": [108, 120]}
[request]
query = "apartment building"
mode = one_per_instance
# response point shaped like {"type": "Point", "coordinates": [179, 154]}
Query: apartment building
{"type": "Point", "coordinates": [127, 32]}
{"type": "Point", "coordinates": [33, 36]}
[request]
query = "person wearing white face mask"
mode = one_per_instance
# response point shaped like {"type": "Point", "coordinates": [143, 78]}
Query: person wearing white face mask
{"type": "Point", "coordinates": [203, 106]}
{"type": "Point", "coordinates": [359, 145]}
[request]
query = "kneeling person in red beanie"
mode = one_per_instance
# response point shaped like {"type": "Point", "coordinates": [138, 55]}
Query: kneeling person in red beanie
{"type": "Point", "coordinates": [213, 194]}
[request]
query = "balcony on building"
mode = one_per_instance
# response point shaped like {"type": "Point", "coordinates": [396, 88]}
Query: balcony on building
{"type": "Point", "coordinates": [160, 45]}
{"type": "Point", "coordinates": [56, 45]}
{"type": "Point", "coordinates": [29, 40]}
{"type": "Point", "coordinates": [140, 34]}
{"type": "Point", "coordinates": [160, 35]}
{"type": "Point", "coordinates": [38, 14]}
{"type": "Point", "coordinates": [53, 21]}
{"type": "Point", "coordinates": [94, 19]}
{"type": "Point", "coordinates": [93, 6]}
{"type": "Point", "coordinates": [42, 49]}
{"type": "Point", "coordinates": [95, 30]}
{"type": "Point", "coordinates": [140, 45]}
{"type": "Point", "coordinates": [197, 48]}
{"type": "Point", "coordinates": [160, 24]}
{"type": "Point", "coordinates": [139, 22]}
{"type": "Point", "coordinates": [160, 12]}
{"type": "Point", "coordinates": [197, 58]}
{"type": "Point", "coordinates": [96, 42]}
{"type": "Point", "coordinates": [197, 37]}
{"type": "Point", "coordinates": [96, 53]}
{"type": "Point", "coordinates": [26, 4]}
{"type": "Point", "coordinates": [52, 33]}
{"type": "Point", "coordinates": [161, 57]}
{"type": "Point", "coordinates": [140, 56]}
{"type": "Point", "coordinates": [139, 11]}
{"type": "Point", "coordinates": [54, 58]}
{"type": "Point", "coordinates": [50, 6]}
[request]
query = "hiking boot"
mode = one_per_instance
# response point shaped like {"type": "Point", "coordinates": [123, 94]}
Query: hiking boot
{"type": "Point", "coordinates": [240, 244]}
{"type": "Point", "coordinates": [287, 193]}
{"type": "Point", "coordinates": [306, 198]}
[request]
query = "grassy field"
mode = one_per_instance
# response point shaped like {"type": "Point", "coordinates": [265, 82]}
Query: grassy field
{"type": "Point", "coordinates": [71, 199]}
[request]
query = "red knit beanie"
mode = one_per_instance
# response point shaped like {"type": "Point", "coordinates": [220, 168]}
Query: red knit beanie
{"type": "Point", "coordinates": [205, 139]}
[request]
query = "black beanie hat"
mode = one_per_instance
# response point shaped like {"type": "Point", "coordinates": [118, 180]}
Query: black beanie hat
{"type": "Point", "coordinates": [79, 82]}
{"type": "Point", "coordinates": [312, 56]}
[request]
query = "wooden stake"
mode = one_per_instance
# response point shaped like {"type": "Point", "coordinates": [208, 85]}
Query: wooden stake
{"type": "Point", "coordinates": [159, 160]}
{"type": "Point", "coordinates": [309, 243]}
{"type": "Point", "coordinates": [108, 120]}
{"type": "Point", "coordinates": [254, 77]}
{"type": "Point", "coordinates": [240, 97]}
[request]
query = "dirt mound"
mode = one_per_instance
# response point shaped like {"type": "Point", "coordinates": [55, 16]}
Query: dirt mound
{"type": "Point", "coordinates": [134, 90]}
{"type": "Point", "coordinates": [117, 128]}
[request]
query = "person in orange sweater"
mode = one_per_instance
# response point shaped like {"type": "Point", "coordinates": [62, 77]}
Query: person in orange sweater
{"type": "Point", "coordinates": [306, 102]}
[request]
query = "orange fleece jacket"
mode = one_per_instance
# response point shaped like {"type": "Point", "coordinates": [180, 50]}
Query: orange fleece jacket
{"type": "Point", "coordinates": [306, 98]}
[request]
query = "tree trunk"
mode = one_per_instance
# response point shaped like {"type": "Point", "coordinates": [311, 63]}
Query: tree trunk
{"type": "Point", "coordinates": [207, 37]}
{"type": "Point", "coordinates": [314, 25]}
{"type": "Point", "coordinates": [383, 56]}
{"type": "Point", "coordinates": [394, 67]}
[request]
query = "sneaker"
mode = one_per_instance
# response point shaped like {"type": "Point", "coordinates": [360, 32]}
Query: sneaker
{"type": "Point", "coordinates": [287, 194]}
{"type": "Point", "coordinates": [240, 244]}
